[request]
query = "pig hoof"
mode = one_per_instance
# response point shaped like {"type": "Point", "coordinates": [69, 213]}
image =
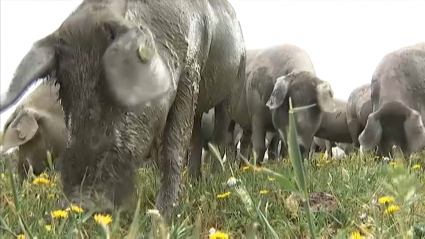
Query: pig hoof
{"type": "Point", "coordinates": [166, 204]}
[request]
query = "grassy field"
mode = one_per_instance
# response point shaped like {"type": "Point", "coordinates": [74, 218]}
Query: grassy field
{"type": "Point", "coordinates": [356, 197]}
{"type": "Point", "coordinates": [344, 200]}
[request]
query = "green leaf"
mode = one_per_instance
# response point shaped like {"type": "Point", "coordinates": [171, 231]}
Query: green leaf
{"type": "Point", "coordinates": [135, 223]}
{"type": "Point", "coordinates": [50, 161]}
{"type": "Point", "coordinates": [216, 154]}
{"type": "Point", "coordinates": [104, 231]}
{"type": "Point", "coordinates": [88, 215]}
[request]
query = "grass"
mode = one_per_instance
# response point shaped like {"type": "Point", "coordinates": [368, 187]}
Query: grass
{"type": "Point", "coordinates": [355, 197]}
{"type": "Point", "coordinates": [355, 184]}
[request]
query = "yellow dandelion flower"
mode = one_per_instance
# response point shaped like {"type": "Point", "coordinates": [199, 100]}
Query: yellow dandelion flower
{"type": "Point", "coordinates": [103, 219]}
{"type": "Point", "coordinates": [393, 163]}
{"type": "Point", "coordinates": [41, 181]}
{"type": "Point", "coordinates": [48, 228]}
{"type": "Point", "coordinates": [416, 166]}
{"type": "Point", "coordinates": [392, 209]}
{"type": "Point", "coordinates": [264, 192]}
{"type": "Point", "coordinates": [21, 236]}
{"type": "Point", "coordinates": [219, 235]}
{"type": "Point", "coordinates": [226, 194]}
{"type": "Point", "coordinates": [271, 179]}
{"type": "Point", "coordinates": [356, 235]}
{"type": "Point", "coordinates": [60, 214]}
{"type": "Point", "coordinates": [246, 168]}
{"type": "Point", "coordinates": [75, 208]}
{"type": "Point", "coordinates": [384, 200]}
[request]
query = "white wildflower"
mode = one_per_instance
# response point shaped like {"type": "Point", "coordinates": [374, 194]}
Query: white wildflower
{"type": "Point", "coordinates": [153, 212]}
{"type": "Point", "coordinates": [231, 181]}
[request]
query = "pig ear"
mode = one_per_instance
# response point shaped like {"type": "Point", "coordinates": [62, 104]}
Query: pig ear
{"type": "Point", "coordinates": [135, 73]}
{"type": "Point", "coordinates": [38, 63]}
{"type": "Point", "coordinates": [20, 131]}
{"type": "Point", "coordinates": [415, 131]}
{"type": "Point", "coordinates": [372, 133]}
{"type": "Point", "coordinates": [279, 92]}
{"type": "Point", "coordinates": [134, 36]}
{"type": "Point", "coordinates": [325, 97]}
{"type": "Point", "coordinates": [117, 27]}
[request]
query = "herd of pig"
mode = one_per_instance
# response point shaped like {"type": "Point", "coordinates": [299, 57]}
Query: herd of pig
{"type": "Point", "coordinates": [127, 81]}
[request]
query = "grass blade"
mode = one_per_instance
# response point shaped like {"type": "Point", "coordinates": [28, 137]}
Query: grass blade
{"type": "Point", "coordinates": [296, 159]}
{"type": "Point", "coordinates": [271, 229]}
{"type": "Point", "coordinates": [13, 184]}
{"type": "Point", "coordinates": [216, 154]}
{"type": "Point", "coordinates": [50, 161]}
{"type": "Point", "coordinates": [135, 224]}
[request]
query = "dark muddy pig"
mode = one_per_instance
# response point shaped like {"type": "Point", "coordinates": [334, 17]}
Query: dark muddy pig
{"type": "Point", "coordinates": [131, 71]}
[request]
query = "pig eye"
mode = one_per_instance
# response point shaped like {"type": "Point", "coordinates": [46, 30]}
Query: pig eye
{"type": "Point", "coordinates": [61, 41]}
{"type": "Point", "coordinates": [111, 37]}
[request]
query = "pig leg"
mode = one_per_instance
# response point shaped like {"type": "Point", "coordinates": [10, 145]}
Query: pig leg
{"type": "Point", "coordinates": [231, 135]}
{"type": "Point", "coordinates": [312, 150]}
{"type": "Point", "coordinates": [196, 154]}
{"type": "Point", "coordinates": [206, 157]}
{"type": "Point", "coordinates": [283, 149]}
{"type": "Point", "coordinates": [273, 148]}
{"type": "Point", "coordinates": [245, 150]}
{"type": "Point", "coordinates": [176, 138]}
{"type": "Point", "coordinates": [221, 125]}
{"type": "Point", "coordinates": [329, 148]}
{"type": "Point", "coordinates": [258, 137]}
{"type": "Point", "coordinates": [354, 128]}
